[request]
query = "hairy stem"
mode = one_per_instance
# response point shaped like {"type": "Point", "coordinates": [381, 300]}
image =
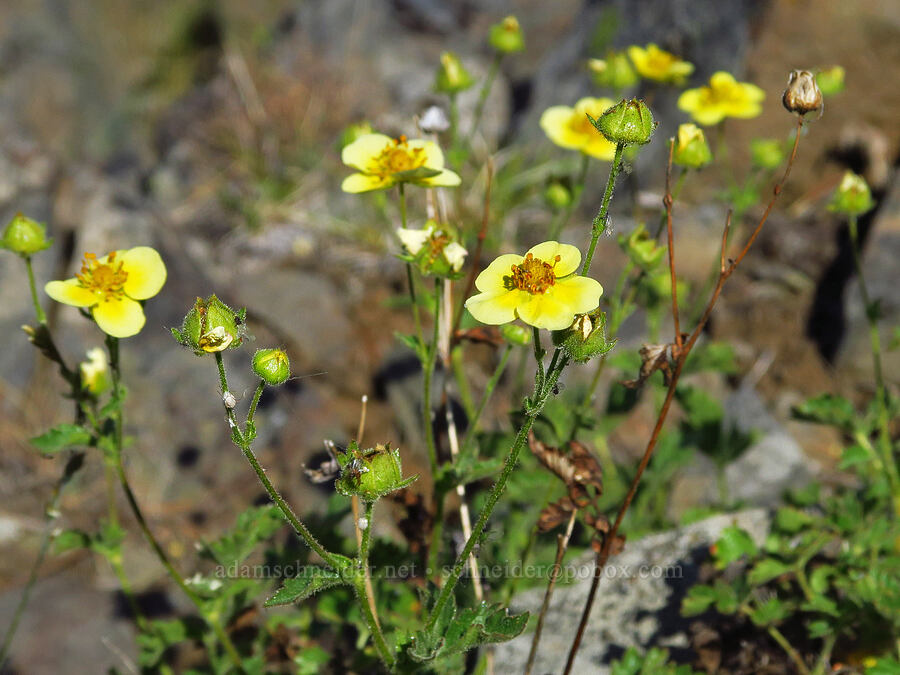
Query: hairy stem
{"type": "Point", "coordinates": [599, 223]}
{"type": "Point", "coordinates": [364, 591]}
{"type": "Point", "coordinates": [38, 310]}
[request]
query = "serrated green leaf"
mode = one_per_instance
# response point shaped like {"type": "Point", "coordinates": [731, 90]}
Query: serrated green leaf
{"type": "Point", "coordinates": [253, 526]}
{"type": "Point", "coordinates": [311, 660]}
{"type": "Point", "coordinates": [61, 437]}
{"type": "Point", "coordinates": [766, 570]}
{"type": "Point", "coordinates": [732, 545]}
{"type": "Point", "coordinates": [819, 603]}
{"type": "Point", "coordinates": [70, 540]}
{"type": "Point", "coordinates": [853, 455]}
{"type": "Point", "coordinates": [818, 580]}
{"type": "Point", "coordinates": [413, 343]}
{"type": "Point", "coordinates": [770, 612]}
{"type": "Point", "coordinates": [310, 581]}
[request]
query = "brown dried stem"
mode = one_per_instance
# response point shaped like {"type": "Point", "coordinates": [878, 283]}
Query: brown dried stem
{"type": "Point", "coordinates": [680, 359]}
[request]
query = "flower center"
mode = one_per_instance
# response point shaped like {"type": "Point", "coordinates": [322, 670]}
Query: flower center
{"type": "Point", "coordinates": [398, 156]}
{"type": "Point", "coordinates": [532, 275]}
{"type": "Point", "coordinates": [436, 245]}
{"type": "Point", "coordinates": [106, 279]}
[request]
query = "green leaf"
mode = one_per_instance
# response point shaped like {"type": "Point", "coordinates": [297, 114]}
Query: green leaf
{"type": "Point", "coordinates": [792, 520]}
{"type": "Point", "coordinates": [770, 612]}
{"type": "Point", "coordinates": [458, 632]}
{"type": "Point", "coordinates": [310, 581]}
{"type": "Point", "coordinates": [766, 570]}
{"type": "Point", "coordinates": [61, 437]}
{"type": "Point", "coordinates": [819, 603]}
{"type": "Point", "coordinates": [733, 544]}
{"type": "Point", "coordinates": [853, 455]}
{"type": "Point", "coordinates": [311, 660]}
{"type": "Point", "coordinates": [819, 629]}
{"type": "Point", "coordinates": [70, 540]}
{"type": "Point", "coordinates": [818, 580]}
{"type": "Point", "coordinates": [884, 666]}
{"type": "Point", "coordinates": [698, 600]}
{"type": "Point", "coordinates": [828, 409]}
{"type": "Point", "coordinates": [252, 527]}
{"type": "Point", "coordinates": [413, 343]}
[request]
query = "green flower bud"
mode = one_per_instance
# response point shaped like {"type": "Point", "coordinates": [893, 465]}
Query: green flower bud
{"type": "Point", "coordinates": [691, 149]}
{"type": "Point", "coordinates": [354, 131]}
{"type": "Point", "coordinates": [24, 237]}
{"type": "Point", "coordinates": [452, 76]}
{"type": "Point", "coordinates": [272, 366]}
{"type": "Point", "coordinates": [852, 197]}
{"type": "Point", "coordinates": [642, 248]}
{"type": "Point", "coordinates": [506, 37]}
{"type": "Point", "coordinates": [615, 71]}
{"type": "Point", "coordinates": [628, 121]}
{"type": "Point", "coordinates": [515, 334]}
{"type": "Point", "coordinates": [371, 473]}
{"type": "Point", "coordinates": [557, 195]}
{"type": "Point", "coordinates": [831, 81]}
{"type": "Point", "coordinates": [802, 94]}
{"type": "Point", "coordinates": [585, 338]}
{"type": "Point", "coordinates": [211, 326]}
{"type": "Point", "coordinates": [766, 153]}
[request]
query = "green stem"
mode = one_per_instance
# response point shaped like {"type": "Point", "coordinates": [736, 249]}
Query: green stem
{"type": "Point", "coordinates": [599, 223]}
{"type": "Point", "coordinates": [875, 340]}
{"type": "Point", "coordinates": [536, 404]}
{"type": "Point", "coordinates": [38, 310]}
{"type": "Point", "coordinates": [483, 95]}
{"type": "Point", "coordinates": [577, 192]}
{"type": "Point", "coordinates": [538, 359]}
{"type": "Point", "coordinates": [255, 402]}
{"type": "Point", "coordinates": [213, 621]}
{"type": "Point", "coordinates": [366, 603]}
{"type": "Point", "coordinates": [792, 653]}
{"type": "Point", "coordinates": [428, 367]}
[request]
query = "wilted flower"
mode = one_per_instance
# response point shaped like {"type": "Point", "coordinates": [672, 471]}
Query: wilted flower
{"type": "Point", "coordinates": [434, 250]}
{"type": "Point", "coordinates": [722, 97]}
{"type": "Point", "coordinates": [615, 71]}
{"type": "Point", "coordinates": [383, 162]}
{"type": "Point", "coordinates": [541, 288]}
{"type": "Point", "coordinates": [691, 149]}
{"type": "Point", "coordinates": [654, 63]}
{"type": "Point", "coordinates": [802, 94]}
{"type": "Point", "coordinates": [570, 127]}
{"type": "Point", "coordinates": [112, 288]}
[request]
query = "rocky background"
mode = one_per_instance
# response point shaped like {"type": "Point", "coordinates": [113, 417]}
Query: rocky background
{"type": "Point", "coordinates": [210, 131]}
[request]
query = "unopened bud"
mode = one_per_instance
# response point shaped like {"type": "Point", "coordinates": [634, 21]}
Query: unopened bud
{"type": "Point", "coordinates": [211, 326]}
{"type": "Point", "coordinates": [24, 236]}
{"type": "Point", "coordinates": [506, 37]}
{"type": "Point", "coordinates": [852, 197]}
{"type": "Point", "coordinates": [452, 76]}
{"type": "Point", "coordinates": [557, 195]}
{"type": "Point", "coordinates": [272, 366]}
{"type": "Point", "coordinates": [515, 334]}
{"type": "Point", "coordinates": [94, 372]}
{"type": "Point", "coordinates": [585, 338]}
{"type": "Point", "coordinates": [615, 71]}
{"type": "Point", "coordinates": [802, 94]}
{"type": "Point", "coordinates": [691, 149]}
{"type": "Point", "coordinates": [629, 122]}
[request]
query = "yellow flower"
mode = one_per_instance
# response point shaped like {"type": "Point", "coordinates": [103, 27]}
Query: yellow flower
{"type": "Point", "coordinates": [570, 128]}
{"type": "Point", "coordinates": [112, 286]}
{"type": "Point", "coordinates": [654, 63]}
{"type": "Point", "coordinates": [383, 162]}
{"type": "Point", "coordinates": [722, 97]}
{"type": "Point", "coordinates": [541, 288]}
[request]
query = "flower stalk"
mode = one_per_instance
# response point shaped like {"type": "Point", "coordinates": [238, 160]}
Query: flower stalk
{"type": "Point", "coordinates": [599, 223]}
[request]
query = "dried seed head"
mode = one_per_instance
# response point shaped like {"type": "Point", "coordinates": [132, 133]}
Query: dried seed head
{"type": "Point", "coordinates": [802, 94]}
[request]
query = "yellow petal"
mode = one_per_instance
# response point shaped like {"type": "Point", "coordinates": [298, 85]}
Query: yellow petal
{"type": "Point", "coordinates": [722, 80]}
{"type": "Point", "coordinates": [597, 146]}
{"type": "Point", "coordinates": [545, 311]}
{"type": "Point", "coordinates": [569, 256]}
{"type": "Point", "coordinates": [579, 294]}
{"type": "Point", "coordinates": [361, 182]}
{"type": "Point", "coordinates": [555, 123]}
{"type": "Point", "coordinates": [434, 158]}
{"type": "Point", "coordinates": [120, 317]}
{"type": "Point", "coordinates": [70, 292]}
{"type": "Point", "coordinates": [491, 279]}
{"type": "Point", "coordinates": [494, 308]}
{"type": "Point", "coordinates": [445, 178]}
{"type": "Point", "coordinates": [638, 56]}
{"type": "Point", "coordinates": [146, 272]}
{"type": "Point", "coordinates": [360, 153]}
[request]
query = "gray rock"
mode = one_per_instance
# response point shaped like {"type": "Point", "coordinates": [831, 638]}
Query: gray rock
{"type": "Point", "coordinates": [638, 602]}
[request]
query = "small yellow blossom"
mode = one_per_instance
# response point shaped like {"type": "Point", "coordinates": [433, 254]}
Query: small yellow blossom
{"type": "Point", "coordinates": [383, 162]}
{"type": "Point", "coordinates": [112, 288]}
{"type": "Point", "coordinates": [653, 63]}
{"type": "Point", "coordinates": [541, 288]}
{"type": "Point", "coordinates": [570, 127]}
{"type": "Point", "coordinates": [722, 97]}
{"type": "Point", "coordinates": [95, 372]}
